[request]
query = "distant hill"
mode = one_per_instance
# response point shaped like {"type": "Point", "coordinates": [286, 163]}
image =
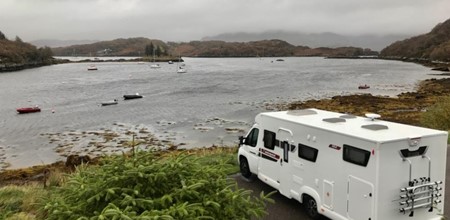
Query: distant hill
{"type": "Point", "coordinates": [16, 54]}
{"type": "Point", "coordinates": [60, 43]}
{"type": "Point", "coordinates": [118, 47]}
{"type": "Point", "coordinates": [263, 48]}
{"type": "Point", "coordinates": [434, 45]}
{"type": "Point", "coordinates": [326, 39]}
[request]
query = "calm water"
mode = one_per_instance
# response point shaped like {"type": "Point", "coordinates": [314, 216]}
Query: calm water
{"type": "Point", "coordinates": [214, 94]}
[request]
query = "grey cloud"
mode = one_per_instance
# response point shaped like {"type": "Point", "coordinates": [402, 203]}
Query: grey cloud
{"type": "Point", "coordinates": [184, 20]}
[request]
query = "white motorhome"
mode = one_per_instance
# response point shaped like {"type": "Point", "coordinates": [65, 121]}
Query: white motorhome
{"type": "Point", "coordinates": [347, 167]}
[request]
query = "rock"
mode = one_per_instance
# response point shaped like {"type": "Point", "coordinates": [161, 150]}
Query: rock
{"type": "Point", "coordinates": [74, 160]}
{"type": "Point", "coordinates": [442, 68]}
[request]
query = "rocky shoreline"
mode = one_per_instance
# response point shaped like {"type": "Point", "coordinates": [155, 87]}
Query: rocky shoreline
{"type": "Point", "coordinates": [405, 108]}
{"type": "Point", "coordinates": [88, 145]}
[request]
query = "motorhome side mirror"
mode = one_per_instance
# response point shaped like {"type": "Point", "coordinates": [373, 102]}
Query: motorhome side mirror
{"type": "Point", "coordinates": [241, 140]}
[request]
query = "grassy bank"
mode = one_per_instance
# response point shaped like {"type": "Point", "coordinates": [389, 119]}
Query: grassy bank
{"type": "Point", "coordinates": [176, 184]}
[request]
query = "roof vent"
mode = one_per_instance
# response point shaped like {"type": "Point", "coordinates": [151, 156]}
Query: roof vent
{"type": "Point", "coordinates": [375, 127]}
{"type": "Point", "coordinates": [372, 116]}
{"type": "Point", "coordinates": [333, 120]}
{"type": "Point", "coordinates": [302, 112]}
{"type": "Point", "coordinates": [347, 116]}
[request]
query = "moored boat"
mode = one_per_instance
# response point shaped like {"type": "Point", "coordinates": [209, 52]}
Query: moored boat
{"type": "Point", "coordinates": [28, 110]}
{"type": "Point", "coordinates": [181, 70]}
{"type": "Point", "coordinates": [112, 102]}
{"type": "Point", "coordinates": [134, 96]}
{"type": "Point", "coordinates": [180, 66]}
{"type": "Point", "coordinates": [92, 67]}
{"type": "Point", "coordinates": [155, 66]}
{"type": "Point", "coordinates": [365, 86]}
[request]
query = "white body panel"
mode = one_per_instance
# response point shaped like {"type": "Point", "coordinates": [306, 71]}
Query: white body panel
{"type": "Point", "coordinates": [342, 189]}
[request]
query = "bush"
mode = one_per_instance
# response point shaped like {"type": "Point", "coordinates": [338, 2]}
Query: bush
{"type": "Point", "coordinates": [438, 115]}
{"type": "Point", "coordinates": [149, 187]}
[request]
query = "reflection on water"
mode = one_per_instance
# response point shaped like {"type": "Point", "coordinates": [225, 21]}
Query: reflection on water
{"type": "Point", "coordinates": [213, 103]}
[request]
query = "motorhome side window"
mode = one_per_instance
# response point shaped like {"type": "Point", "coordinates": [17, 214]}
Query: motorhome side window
{"type": "Point", "coordinates": [307, 153]}
{"type": "Point", "coordinates": [356, 155]}
{"type": "Point", "coordinates": [252, 138]}
{"type": "Point", "coordinates": [412, 153]}
{"type": "Point", "coordinates": [269, 139]}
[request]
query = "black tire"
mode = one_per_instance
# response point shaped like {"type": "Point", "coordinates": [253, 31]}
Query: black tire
{"type": "Point", "coordinates": [311, 208]}
{"type": "Point", "coordinates": [244, 168]}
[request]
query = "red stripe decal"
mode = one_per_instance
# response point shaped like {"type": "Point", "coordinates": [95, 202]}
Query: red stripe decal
{"type": "Point", "coordinates": [269, 154]}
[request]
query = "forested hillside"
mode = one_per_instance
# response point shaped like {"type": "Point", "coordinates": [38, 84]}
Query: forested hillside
{"type": "Point", "coordinates": [16, 54]}
{"type": "Point", "coordinates": [145, 47]}
{"type": "Point", "coordinates": [119, 47]}
{"type": "Point", "coordinates": [433, 46]}
{"type": "Point", "coordinates": [263, 48]}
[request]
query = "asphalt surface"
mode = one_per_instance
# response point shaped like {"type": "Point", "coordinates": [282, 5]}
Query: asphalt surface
{"type": "Point", "coordinates": [283, 208]}
{"type": "Point", "coordinates": [290, 209]}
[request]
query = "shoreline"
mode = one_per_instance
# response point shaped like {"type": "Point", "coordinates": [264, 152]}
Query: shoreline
{"type": "Point", "coordinates": [434, 65]}
{"type": "Point", "coordinates": [405, 108]}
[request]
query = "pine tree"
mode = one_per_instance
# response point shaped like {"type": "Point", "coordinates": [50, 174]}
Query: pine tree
{"type": "Point", "coordinates": [149, 49]}
{"type": "Point", "coordinates": [158, 51]}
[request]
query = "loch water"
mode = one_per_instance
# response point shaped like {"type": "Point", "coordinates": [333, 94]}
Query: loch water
{"type": "Point", "coordinates": [197, 108]}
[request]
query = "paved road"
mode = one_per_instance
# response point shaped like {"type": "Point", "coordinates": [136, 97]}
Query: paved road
{"type": "Point", "coordinates": [289, 209]}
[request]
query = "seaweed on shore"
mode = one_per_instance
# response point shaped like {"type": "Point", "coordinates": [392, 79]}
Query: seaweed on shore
{"type": "Point", "coordinates": [406, 108]}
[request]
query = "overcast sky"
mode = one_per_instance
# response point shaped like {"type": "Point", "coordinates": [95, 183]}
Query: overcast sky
{"type": "Point", "coordinates": [185, 20]}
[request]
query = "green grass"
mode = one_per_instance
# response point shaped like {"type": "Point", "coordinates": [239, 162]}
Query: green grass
{"type": "Point", "coordinates": [20, 202]}
{"type": "Point", "coordinates": [438, 115]}
{"type": "Point", "coordinates": [188, 184]}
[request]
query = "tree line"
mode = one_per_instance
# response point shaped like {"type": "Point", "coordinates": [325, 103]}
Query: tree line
{"type": "Point", "coordinates": [17, 52]}
{"type": "Point", "coordinates": [158, 51]}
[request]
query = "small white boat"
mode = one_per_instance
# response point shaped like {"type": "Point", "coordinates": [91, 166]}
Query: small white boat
{"type": "Point", "coordinates": [181, 70]}
{"type": "Point", "coordinates": [112, 102]}
{"type": "Point", "coordinates": [92, 67]}
{"type": "Point", "coordinates": [170, 62]}
{"type": "Point", "coordinates": [155, 66]}
{"type": "Point", "coordinates": [180, 66]}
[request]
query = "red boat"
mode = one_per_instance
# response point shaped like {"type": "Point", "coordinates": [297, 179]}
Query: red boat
{"type": "Point", "coordinates": [28, 110]}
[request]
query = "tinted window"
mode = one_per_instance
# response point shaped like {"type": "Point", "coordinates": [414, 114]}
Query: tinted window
{"type": "Point", "coordinates": [356, 155]}
{"type": "Point", "coordinates": [307, 153]}
{"type": "Point", "coordinates": [269, 139]}
{"type": "Point", "coordinates": [419, 152]}
{"type": "Point", "coordinates": [252, 138]}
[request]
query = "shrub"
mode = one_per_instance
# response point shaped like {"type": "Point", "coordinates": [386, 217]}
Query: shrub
{"type": "Point", "coordinates": [438, 115]}
{"type": "Point", "coordinates": [149, 187]}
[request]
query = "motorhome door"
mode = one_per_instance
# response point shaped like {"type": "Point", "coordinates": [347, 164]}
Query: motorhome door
{"type": "Point", "coordinates": [270, 158]}
{"type": "Point", "coordinates": [285, 137]}
{"type": "Point", "coordinates": [360, 199]}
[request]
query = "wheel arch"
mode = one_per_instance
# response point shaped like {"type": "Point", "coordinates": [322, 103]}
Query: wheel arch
{"type": "Point", "coordinates": [308, 191]}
